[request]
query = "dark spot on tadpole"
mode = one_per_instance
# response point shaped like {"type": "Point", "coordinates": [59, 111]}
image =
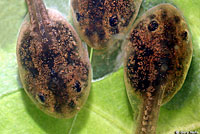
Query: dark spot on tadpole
{"type": "Point", "coordinates": [113, 21]}
{"type": "Point", "coordinates": [77, 86]}
{"type": "Point", "coordinates": [97, 3]}
{"type": "Point", "coordinates": [57, 107]}
{"type": "Point", "coordinates": [163, 14]}
{"type": "Point", "coordinates": [41, 97]}
{"type": "Point", "coordinates": [88, 32]}
{"type": "Point", "coordinates": [33, 71]}
{"type": "Point", "coordinates": [146, 83]}
{"type": "Point", "coordinates": [148, 52]}
{"type": "Point", "coordinates": [58, 38]}
{"type": "Point", "coordinates": [141, 47]}
{"type": "Point", "coordinates": [142, 80]}
{"type": "Point", "coordinates": [69, 60]}
{"type": "Point", "coordinates": [26, 56]}
{"type": "Point", "coordinates": [71, 104]}
{"type": "Point", "coordinates": [156, 82]}
{"type": "Point", "coordinates": [153, 25]}
{"type": "Point", "coordinates": [184, 35]}
{"type": "Point", "coordinates": [56, 84]}
{"type": "Point", "coordinates": [48, 57]}
{"type": "Point", "coordinates": [53, 73]}
{"type": "Point", "coordinates": [78, 16]}
{"type": "Point", "coordinates": [176, 19]}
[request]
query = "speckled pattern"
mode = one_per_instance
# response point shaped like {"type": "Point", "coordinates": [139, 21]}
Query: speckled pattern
{"type": "Point", "coordinates": [53, 65]}
{"type": "Point", "coordinates": [158, 56]}
{"type": "Point", "coordinates": [97, 21]}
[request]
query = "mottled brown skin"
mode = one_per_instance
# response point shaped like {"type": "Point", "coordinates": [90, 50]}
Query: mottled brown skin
{"type": "Point", "coordinates": [157, 59]}
{"type": "Point", "coordinates": [99, 21]}
{"type": "Point", "coordinates": [53, 64]}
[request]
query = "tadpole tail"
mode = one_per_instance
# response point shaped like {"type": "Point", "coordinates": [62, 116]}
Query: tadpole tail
{"type": "Point", "coordinates": [149, 112]}
{"type": "Point", "coordinates": [38, 14]}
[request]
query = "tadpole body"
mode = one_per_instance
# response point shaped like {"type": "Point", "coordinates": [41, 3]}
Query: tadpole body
{"type": "Point", "coordinates": [157, 58]}
{"type": "Point", "coordinates": [53, 64]}
{"type": "Point", "coordinates": [100, 23]}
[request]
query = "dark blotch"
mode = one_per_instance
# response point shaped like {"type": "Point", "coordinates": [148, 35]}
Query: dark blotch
{"type": "Point", "coordinates": [156, 82]}
{"type": "Point", "coordinates": [164, 14]}
{"type": "Point", "coordinates": [58, 38]}
{"type": "Point", "coordinates": [88, 32]}
{"type": "Point", "coordinates": [153, 25]}
{"type": "Point", "coordinates": [41, 97]}
{"type": "Point", "coordinates": [113, 21]}
{"type": "Point", "coordinates": [33, 71]}
{"type": "Point", "coordinates": [25, 54]}
{"type": "Point", "coordinates": [77, 86]}
{"type": "Point", "coordinates": [48, 58]}
{"type": "Point", "coordinates": [69, 59]}
{"type": "Point", "coordinates": [78, 16]}
{"type": "Point", "coordinates": [97, 3]}
{"type": "Point", "coordinates": [146, 83]}
{"type": "Point", "coordinates": [71, 104]}
{"type": "Point", "coordinates": [53, 73]}
{"type": "Point", "coordinates": [176, 19]}
{"type": "Point", "coordinates": [56, 84]}
{"type": "Point", "coordinates": [184, 35]}
{"type": "Point", "coordinates": [148, 52]}
{"type": "Point", "coordinates": [57, 107]}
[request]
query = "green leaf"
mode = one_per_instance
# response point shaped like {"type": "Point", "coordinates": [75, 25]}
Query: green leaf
{"type": "Point", "coordinates": [107, 109]}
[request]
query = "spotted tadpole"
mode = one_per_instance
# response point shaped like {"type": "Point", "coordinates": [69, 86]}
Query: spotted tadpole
{"type": "Point", "coordinates": [158, 53]}
{"type": "Point", "coordinates": [54, 66]}
{"type": "Point", "coordinates": [100, 23]}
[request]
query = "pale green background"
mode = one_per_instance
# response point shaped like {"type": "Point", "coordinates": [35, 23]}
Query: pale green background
{"type": "Point", "coordinates": [107, 110]}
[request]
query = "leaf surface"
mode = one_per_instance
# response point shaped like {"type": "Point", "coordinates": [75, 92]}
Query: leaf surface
{"type": "Point", "coordinates": [107, 109]}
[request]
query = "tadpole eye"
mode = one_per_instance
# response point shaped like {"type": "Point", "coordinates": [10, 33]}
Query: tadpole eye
{"type": "Point", "coordinates": [41, 97]}
{"type": "Point", "coordinates": [113, 21]}
{"type": "Point", "coordinates": [184, 35]}
{"type": "Point", "coordinates": [153, 25]}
